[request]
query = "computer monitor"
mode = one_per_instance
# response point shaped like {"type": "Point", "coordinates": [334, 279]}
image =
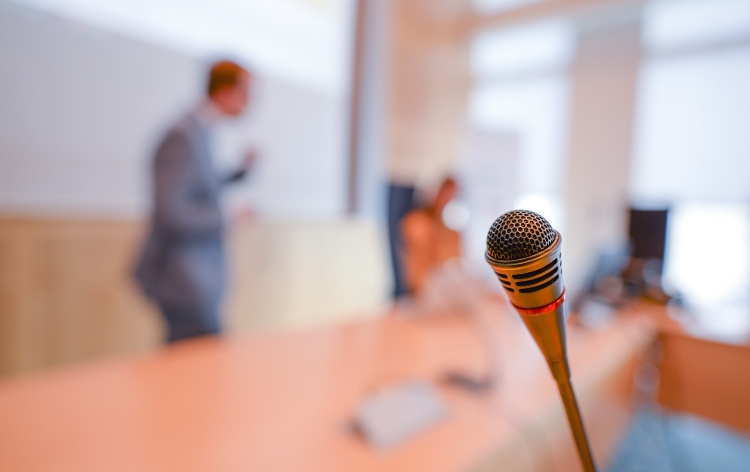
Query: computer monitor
{"type": "Point", "coordinates": [648, 233]}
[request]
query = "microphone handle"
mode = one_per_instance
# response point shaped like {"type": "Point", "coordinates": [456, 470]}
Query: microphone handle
{"type": "Point", "coordinates": [576, 423]}
{"type": "Point", "coordinates": [547, 327]}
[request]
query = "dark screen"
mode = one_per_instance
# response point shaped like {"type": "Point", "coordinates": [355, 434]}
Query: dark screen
{"type": "Point", "coordinates": [648, 233]}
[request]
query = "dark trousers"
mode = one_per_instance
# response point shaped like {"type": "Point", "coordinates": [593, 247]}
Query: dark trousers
{"type": "Point", "coordinates": [190, 321]}
{"type": "Point", "coordinates": [400, 202]}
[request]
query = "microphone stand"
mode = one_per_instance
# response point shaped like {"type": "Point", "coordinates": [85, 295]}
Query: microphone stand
{"type": "Point", "coordinates": [576, 424]}
{"type": "Point", "coordinates": [548, 330]}
{"type": "Point", "coordinates": [531, 273]}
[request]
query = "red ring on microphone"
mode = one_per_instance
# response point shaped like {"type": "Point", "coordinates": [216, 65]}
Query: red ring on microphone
{"type": "Point", "coordinates": [542, 309]}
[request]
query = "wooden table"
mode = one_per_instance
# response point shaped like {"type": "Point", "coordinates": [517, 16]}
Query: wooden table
{"type": "Point", "coordinates": [282, 402]}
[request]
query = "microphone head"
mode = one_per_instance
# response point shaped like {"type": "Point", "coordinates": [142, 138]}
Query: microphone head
{"type": "Point", "coordinates": [524, 251]}
{"type": "Point", "coordinates": [519, 234]}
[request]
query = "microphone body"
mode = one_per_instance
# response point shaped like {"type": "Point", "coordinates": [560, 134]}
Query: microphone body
{"type": "Point", "coordinates": [524, 252]}
{"type": "Point", "coordinates": [535, 288]}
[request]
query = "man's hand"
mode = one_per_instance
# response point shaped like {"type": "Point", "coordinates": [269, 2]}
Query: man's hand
{"type": "Point", "coordinates": [249, 159]}
{"type": "Point", "coordinates": [242, 216]}
{"type": "Point", "coordinates": [248, 162]}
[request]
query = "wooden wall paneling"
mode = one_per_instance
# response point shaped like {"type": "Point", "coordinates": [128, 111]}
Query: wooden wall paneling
{"type": "Point", "coordinates": [296, 274]}
{"type": "Point", "coordinates": [67, 294]}
{"type": "Point", "coordinates": [22, 302]}
{"type": "Point", "coordinates": [706, 378]}
{"type": "Point", "coordinates": [95, 309]}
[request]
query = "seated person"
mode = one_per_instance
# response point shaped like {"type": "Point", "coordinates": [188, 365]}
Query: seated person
{"type": "Point", "coordinates": [427, 242]}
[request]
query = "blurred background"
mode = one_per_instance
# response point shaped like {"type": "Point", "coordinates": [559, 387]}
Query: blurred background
{"type": "Point", "coordinates": [585, 111]}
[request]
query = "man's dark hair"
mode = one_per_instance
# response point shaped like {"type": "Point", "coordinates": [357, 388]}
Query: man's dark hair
{"type": "Point", "coordinates": [224, 74]}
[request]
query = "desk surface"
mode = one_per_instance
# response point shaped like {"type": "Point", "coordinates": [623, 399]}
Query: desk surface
{"type": "Point", "coordinates": [283, 401]}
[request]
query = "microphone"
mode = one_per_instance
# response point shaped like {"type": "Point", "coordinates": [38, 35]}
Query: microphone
{"type": "Point", "coordinates": [524, 251]}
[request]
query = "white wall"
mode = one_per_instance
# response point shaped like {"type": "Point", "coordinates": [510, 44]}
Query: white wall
{"type": "Point", "coordinates": [81, 111]}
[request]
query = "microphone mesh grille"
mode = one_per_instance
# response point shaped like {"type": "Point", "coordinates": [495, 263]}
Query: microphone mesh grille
{"type": "Point", "coordinates": [519, 234]}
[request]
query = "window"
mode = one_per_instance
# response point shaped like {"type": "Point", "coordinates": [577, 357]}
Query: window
{"type": "Point", "coordinates": [521, 95]}
{"type": "Point", "coordinates": [692, 152]}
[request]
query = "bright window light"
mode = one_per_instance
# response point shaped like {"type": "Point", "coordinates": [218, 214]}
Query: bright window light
{"type": "Point", "coordinates": [708, 261]}
{"type": "Point", "coordinates": [531, 118]}
{"type": "Point", "coordinates": [670, 24]}
{"type": "Point", "coordinates": [536, 111]}
{"type": "Point", "coordinates": [547, 205]}
{"type": "Point", "coordinates": [456, 215]}
{"type": "Point", "coordinates": [692, 139]}
{"type": "Point", "coordinates": [518, 116]}
{"type": "Point", "coordinates": [304, 41]}
{"type": "Point", "coordinates": [536, 46]}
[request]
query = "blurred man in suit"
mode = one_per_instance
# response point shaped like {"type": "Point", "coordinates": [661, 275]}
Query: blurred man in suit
{"type": "Point", "coordinates": [182, 265]}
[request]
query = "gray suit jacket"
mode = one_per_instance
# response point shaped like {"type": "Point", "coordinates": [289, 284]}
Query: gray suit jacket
{"type": "Point", "coordinates": [182, 261]}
